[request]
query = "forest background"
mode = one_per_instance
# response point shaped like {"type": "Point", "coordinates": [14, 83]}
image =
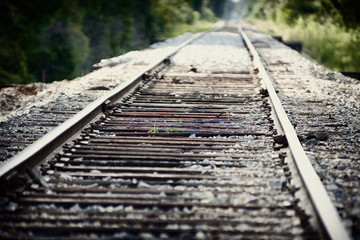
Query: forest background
{"type": "Point", "coordinates": [65, 38]}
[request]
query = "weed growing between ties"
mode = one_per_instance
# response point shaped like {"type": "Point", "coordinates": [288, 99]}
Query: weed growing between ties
{"type": "Point", "coordinates": [156, 128]}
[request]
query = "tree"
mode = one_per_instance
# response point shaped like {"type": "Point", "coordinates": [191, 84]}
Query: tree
{"type": "Point", "coordinates": [347, 10]}
{"type": "Point", "coordinates": [342, 12]}
{"type": "Point", "coordinates": [65, 37]}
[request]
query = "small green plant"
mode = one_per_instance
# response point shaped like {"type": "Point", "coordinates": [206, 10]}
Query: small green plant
{"type": "Point", "coordinates": [174, 129]}
{"type": "Point", "coordinates": [154, 129]}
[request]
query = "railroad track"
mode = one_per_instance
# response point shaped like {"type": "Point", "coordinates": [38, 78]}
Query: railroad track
{"type": "Point", "coordinates": [176, 152]}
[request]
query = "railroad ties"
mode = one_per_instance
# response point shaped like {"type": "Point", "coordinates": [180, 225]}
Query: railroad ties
{"type": "Point", "coordinates": [188, 156]}
{"type": "Point", "coordinates": [176, 152]}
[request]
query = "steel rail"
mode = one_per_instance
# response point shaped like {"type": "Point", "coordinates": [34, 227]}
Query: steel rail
{"type": "Point", "coordinates": [325, 210]}
{"type": "Point", "coordinates": [39, 150]}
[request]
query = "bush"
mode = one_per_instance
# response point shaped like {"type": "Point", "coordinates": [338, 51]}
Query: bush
{"type": "Point", "coordinates": [330, 36]}
{"type": "Point", "coordinates": [333, 46]}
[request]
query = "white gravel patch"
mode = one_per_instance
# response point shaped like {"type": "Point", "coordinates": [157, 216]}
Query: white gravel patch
{"type": "Point", "coordinates": [156, 52]}
{"type": "Point", "coordinates": [214, 49]}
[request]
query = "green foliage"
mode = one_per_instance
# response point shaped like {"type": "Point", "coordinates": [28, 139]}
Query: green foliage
{"type": "Point", "coordinates": [344, 13]}
{"type": "Point", "coordinates": [330, 45]}
{"type": "Point", "coordinates": [80, 46]}
{"type": "Point", "coordinates": [12, 62]}
{"type": "Point", "coordinates": [67, 37]}
{"type": "Point", "coordinates": [171, 12]}
{"type": "Point", "coordinates": [334, 47]}
{"type": "Point", "coordinates": [156, 129]}
{"type": "Point", "coordinates": [329, 29]}
{"type": "Point", "coordinates": [217, 6]}
{"type": "Point", "coordinates": [20, 23]}
{"type": "Point", "coordinates": [54, 54]}
{"type": "Point", "coordinates": [178, 29]}
{"type": "Point", "coordinates": [176, 17]}
{"type": "Point", "coordinates": [294, 9]}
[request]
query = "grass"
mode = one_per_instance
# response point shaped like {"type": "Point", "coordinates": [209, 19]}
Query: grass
{"type": "Point", "coordinates": [178, 29]}
{"type": "Point", "coordinates": [156, 129]}
{"type": "Point", "coordinates": [334, 47]}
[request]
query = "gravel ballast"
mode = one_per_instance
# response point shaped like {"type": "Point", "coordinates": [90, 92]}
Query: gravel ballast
{"type": "Point", "coordinates": [324, 106]}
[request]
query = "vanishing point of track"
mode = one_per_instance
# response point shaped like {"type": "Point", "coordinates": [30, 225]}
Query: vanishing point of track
{"type": "Point", "coordinates": [172, 153]}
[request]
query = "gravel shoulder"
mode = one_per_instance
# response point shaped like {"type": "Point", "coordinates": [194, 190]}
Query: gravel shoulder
{"type": "Point", "coordinates": [324, 107]}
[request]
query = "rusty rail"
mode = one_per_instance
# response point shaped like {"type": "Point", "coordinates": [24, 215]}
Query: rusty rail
{"type": "Point", "coordinates": [323, 205]}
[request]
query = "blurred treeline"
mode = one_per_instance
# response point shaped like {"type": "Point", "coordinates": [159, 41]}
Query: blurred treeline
{"type": "Point", "coordinates": [65, 38]}
{"type": "Point", "coordinates": [329, 29]}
